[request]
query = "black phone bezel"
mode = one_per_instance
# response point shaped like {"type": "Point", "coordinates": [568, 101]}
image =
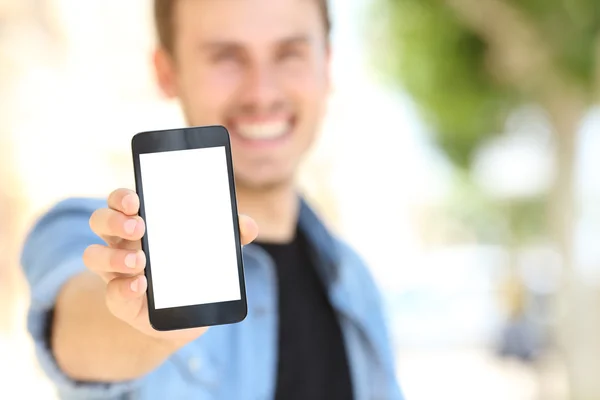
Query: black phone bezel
{"type": "Point", "coordinates": [201, 315]}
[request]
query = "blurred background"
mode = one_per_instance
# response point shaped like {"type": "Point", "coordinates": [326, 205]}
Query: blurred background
{"type": "Point", "coordinates": [463, 132]}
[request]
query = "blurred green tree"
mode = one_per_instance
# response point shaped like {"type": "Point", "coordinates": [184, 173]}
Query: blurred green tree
{"type": "Point", "coordinates": [468, 64]}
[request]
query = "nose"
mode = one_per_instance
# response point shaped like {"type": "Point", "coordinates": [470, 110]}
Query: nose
{"type": "Point", "coordinates": [262, 92]}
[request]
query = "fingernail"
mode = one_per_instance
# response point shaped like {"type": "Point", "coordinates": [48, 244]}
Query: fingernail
{"type": "Point", "coordinates": [127, 201]}
{"type": "Point", "coordinates": [134, 285]}
{"type": "Point", "coordinates": [130, 226]}
{"type": "Point", "coordinates": [130, 260]}
{"type": "Point", "coordinates": [142, 257]}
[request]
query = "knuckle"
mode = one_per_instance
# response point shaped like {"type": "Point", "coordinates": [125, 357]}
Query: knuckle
{"type": "Point", "coordinates": [114, 199]}
{"type": "Point", "coordinates": [88, 255]}
{"type": "Point", "coordinates": [119, 194]}
{"type": "Point", "coordinates": [114, 194]}
{"type": "Point", "coordinates": [114, 222]}
{"type": "Point", "coordinates": [94, 219]}
{"type": "Point", "coordinates": [91, 255]}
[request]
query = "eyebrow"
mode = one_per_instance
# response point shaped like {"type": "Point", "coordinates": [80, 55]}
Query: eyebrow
{"type": "Point", "coordinates": [220, 44]}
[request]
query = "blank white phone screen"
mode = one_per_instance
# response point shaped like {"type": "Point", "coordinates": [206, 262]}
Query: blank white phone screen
{"type": "Point", "coordinates": [190, 227]}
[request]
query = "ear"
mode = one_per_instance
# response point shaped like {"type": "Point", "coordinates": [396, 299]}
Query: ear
{"type": "Point", "coordinates": [164, 69]}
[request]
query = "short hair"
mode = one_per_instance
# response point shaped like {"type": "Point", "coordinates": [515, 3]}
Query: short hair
{"type": "Point", "coordinates": [164, 23]}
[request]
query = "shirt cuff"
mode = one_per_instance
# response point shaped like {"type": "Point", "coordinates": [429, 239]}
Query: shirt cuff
{"type": "Point", "coordinates": [43, 301]}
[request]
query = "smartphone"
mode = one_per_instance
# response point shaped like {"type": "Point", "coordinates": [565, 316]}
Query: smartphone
{"type": "Point", "coordinates": [194, 267]}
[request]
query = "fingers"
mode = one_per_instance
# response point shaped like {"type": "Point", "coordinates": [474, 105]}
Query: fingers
{"type": "Point", "coordinates": [248, 229]}
{"type": "Point", "coordinates": [113, 225]}
{"type": "Point", "coordinates": [125, 297]}
{"type": "Point", "coordinates": [105, 260]}
{"type": "Point", "coordinates": [124, 200]}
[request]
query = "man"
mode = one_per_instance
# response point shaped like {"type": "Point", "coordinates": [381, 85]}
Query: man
{"type": "Point", "coordinates": [314, 329]}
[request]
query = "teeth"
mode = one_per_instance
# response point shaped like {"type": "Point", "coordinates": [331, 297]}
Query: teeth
{"type": "Point", "coordinates": [268, 130]}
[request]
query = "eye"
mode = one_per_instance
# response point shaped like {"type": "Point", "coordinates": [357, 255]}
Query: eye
{"type": "Point", "coordinates": [226, 56]}
{"type": "Point", "coordinates": [291, 53]}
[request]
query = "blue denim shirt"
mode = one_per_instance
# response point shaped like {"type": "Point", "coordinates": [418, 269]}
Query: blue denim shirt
{"type": "Point", "coordinates": [236, 361]}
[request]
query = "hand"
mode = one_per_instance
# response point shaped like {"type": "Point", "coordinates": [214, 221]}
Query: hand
{"type": "Point", "coordinates": [121, 262]}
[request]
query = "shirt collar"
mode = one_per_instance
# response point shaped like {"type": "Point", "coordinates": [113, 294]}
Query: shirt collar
{"type": "Point", "coordinates": [321, 240]}
{"type": "Point", "coordinates": [323, 245]}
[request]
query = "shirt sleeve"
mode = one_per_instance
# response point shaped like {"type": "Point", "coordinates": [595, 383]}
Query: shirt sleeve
{"type": "Point", "coordinates": [52, 254]}
{"type": "Point", "coordinates": [380, 319]}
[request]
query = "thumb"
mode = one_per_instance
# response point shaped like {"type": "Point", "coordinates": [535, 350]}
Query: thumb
{"type": "Point", "coordinates": [248, 229]}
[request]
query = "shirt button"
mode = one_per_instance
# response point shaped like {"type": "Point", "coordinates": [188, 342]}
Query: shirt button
{"type": "Point", "coordinates": [194, 364]}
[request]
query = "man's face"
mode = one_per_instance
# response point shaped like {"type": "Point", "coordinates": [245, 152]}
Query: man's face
{"type": "Point", "coordinates": [258, 67]}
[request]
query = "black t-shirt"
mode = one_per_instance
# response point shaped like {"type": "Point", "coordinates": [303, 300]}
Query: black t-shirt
{"type": "Point", "coordinates": [312, 357]}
